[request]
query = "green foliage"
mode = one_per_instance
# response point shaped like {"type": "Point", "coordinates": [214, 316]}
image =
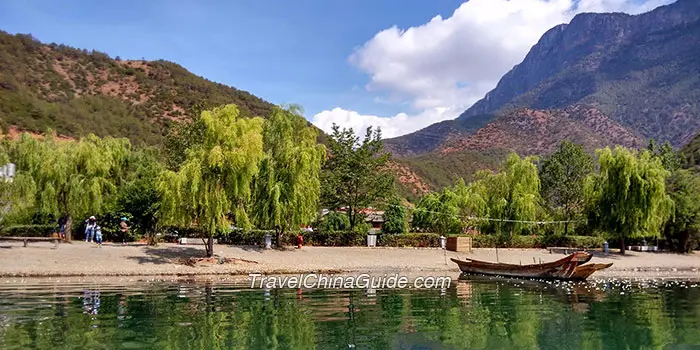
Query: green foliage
{"type": "Point", "coordinates": [212, 186]}
{"type": "Point", "coordinates": [286, 189]}
{"type": "Point", "coordinates": [440, 170]}
{"type": "Point", "coordinates": [28, 230]}
{"type": "Point", "coordinates": [355, 174]}
{"type": "Point", "coordinates": [67, 178]}
{"type": "Point", "coordinates": [563, 175]}
{"type": "Point", "coordinates": [361, 227]}
{"type": "Point", "coordinates": [539, 241]}
{"type": "Point", "coordinates": [420, 240]}
{"type": "Point", "coordinates": [136, 197]}
{"type": "Point", "coordinates": [682, 232]}
{"type": "Point", "coordinates": [335, 221]}
{"type": "Point", "coordinates": [691, 153]}
{"type": "Point", "coordinates": [628, 197]}
{"type": "Point", "coordinates": [315, 238]}
{"type": "Point", "coordinates": [670, 160]}
{"type": "Point", "coordinates": [511, 194]}
{"type": "Point", "coordinates": [395, 217]}
{"type": "Point", "coordinates": [438, 212]}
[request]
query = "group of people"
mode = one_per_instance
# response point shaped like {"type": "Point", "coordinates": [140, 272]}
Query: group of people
{"type": "Point", "coordinates": [93, 230]}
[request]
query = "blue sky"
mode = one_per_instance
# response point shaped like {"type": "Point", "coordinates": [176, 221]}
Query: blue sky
{"type": "Point", "coordinates": [282, 51]}
{"type": "Point", "coordinates": [409, 68]}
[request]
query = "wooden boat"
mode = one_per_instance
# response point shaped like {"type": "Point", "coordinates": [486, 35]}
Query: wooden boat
{"type": "Point", "coordinates": [570, 267]}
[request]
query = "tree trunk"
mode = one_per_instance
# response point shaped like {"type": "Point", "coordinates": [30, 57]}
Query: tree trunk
{"type": "Point", "coordinates": [622, 246]}
{"type": "Point", "coordinates": [209, 246]}
{"type": "Point", "coordinates": [566, 228]}
{"type": "Point", "coordinates": [351, 218]}
{"type": "Point", "coordinates": [278, 232]}
{"type": "Point", "coordinates": [69, 222]}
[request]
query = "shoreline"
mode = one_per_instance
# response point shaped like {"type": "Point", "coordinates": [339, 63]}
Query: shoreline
{"type": "Point", "coordinates": [83, 260]}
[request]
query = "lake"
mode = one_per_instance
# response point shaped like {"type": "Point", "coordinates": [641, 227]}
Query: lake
{"type": "Point", "coordinates": [478, 313]}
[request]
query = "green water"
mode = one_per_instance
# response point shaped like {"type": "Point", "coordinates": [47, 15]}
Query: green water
{"type": "Point", "coordinates": [475, 314]}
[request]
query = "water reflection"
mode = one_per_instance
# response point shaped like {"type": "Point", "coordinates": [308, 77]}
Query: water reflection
{"type": "Point", "coordinates": [471, 314]}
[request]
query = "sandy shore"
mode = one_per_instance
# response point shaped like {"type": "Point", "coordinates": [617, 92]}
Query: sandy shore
{"type": "Point", "coordinates": [84, 259]}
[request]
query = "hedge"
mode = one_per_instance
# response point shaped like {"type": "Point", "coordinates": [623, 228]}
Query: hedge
{"type": "Point", "coordinates": [350, 238]}
{"type": "Point", "coordinates": [409, 240]}
{"type": "Point", "coordinates": [28, 230]}
{"type": "Point", "coordinates": [315, 238]}
{"type": "Point", "coordinates": [518, 241]}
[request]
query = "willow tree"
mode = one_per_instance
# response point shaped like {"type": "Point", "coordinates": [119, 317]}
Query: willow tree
{"type": "Point", "coordinates": [65, 178]}
{"type": "Point", "coordinates": [438, 212]}
{"type": "Point", "coordinates": [212, 186]}
{"type": "Point", "coordinates": [286, 189]}
{"type": "Point", "coordinates": [10, 188]}
{"type": "Point", "coordinates": [511, 195]}
{"type": "Point", "coordinates": [628, 197]}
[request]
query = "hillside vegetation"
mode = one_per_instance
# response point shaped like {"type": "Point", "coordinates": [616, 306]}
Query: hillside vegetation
{"type": "Point", "coordinates": [76, 92]}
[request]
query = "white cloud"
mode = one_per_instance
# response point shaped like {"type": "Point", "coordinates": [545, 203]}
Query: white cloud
{"type": "Point", "coordinates": [397, 125]}
{"type": "Point", "coordinates": [448, 64]}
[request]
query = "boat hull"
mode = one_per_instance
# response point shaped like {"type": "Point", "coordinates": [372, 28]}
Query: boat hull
{"type": "Point", "coordinates": [570, 267]}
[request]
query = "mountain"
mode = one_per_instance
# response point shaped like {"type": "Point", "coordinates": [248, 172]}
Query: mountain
{"type": "Point", "coordinates": [76, 92]}
{"type": "Point", "coordinates": [636, 74]}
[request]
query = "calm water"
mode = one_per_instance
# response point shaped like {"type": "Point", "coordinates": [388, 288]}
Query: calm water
{"type": "Point", "coordinates": [476, 314]}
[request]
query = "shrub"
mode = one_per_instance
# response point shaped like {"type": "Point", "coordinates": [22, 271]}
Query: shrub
{"type": "Point", "coordinates": [28, 230]}
{"type": "Point", "coordinates": [409, 240]}
{"type": "Point", "coordinates": [543, 241]}
{"type": "Point", "coordinates": [335, 221]}
{"type": "Point", "coordinates": [315, 238]}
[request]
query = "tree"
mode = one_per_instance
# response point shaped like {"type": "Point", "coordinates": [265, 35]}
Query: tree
{"type": "Point", "coordinates": [213, 184]}
{"type": "Point", "coordinates": [512, 195]}
{"type": "Point", "coordinates": [287, 187]}
{"type": "Point", "coordinates": [628, 196]}
{"type": "Point", "coordinates": [335, 221]}
{"type": "Point", "coordinates": [563, 175]}
{"type": "Point", "coordinates": [10, 193]}
{"type": "Point", "coordinates": [68, 178]}
{"type": "Point", "coordinates": [395, 217]}
{"type": "Point", "coordinates": [355, 174]}
{"type": "Point", "coordinates": [670, 160]}
{"type": "Point", "coordinates": [438, 212]}
{"type": "Point", "coordinates": [137, 198]}
{"type": "Point", "coordinates": [683, 231]}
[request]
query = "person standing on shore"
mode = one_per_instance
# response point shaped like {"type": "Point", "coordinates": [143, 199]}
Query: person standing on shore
{"type": "Point", "coordinates": [61, 230]}
{"type": "Point", "coordinates": [98, 235]}
{"type": "Point", "coordinates": [125, 230]}
{"type": "Point", "coordinates": [90, 228]}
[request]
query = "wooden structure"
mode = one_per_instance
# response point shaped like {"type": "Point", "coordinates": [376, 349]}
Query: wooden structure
{"type": "Point", "coordinates": [459, 244]}
{"type": "Point", "coordinates": [568, 268]}
{"type": "Point", "coordinates": [26, 240]}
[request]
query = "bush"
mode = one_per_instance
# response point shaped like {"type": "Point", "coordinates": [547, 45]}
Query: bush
{"type": "Point", "coordinates": [332, 239]}
{"type": "Point", "coordinates": [409, 240]}
{"type": "Point", "coordinates": [521, 241]}
{"type": "Point", "coordinates": [244, 237]}
{"type": "Point", "coordinates": [315, 238]}
{"type": "Point", "coordinates": [28, 230]}
{"type": "Point", "coordinates": [335, 221]}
